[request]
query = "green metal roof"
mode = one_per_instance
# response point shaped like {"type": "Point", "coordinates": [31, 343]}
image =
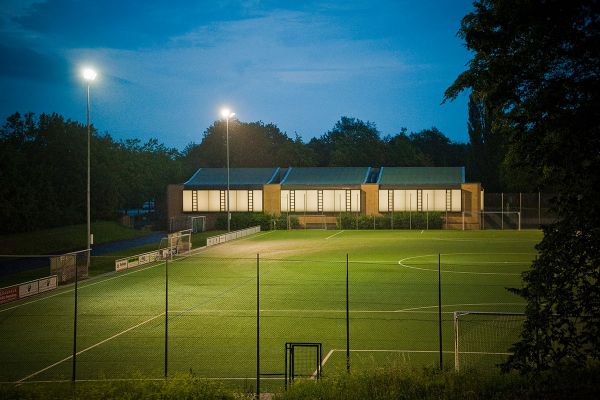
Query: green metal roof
{"type": "Point", "coordinates": [326, 176]}
{"type": "Point", "coordinates": [238, 177]}
{"type": "Point", "coordinates": [419, 176]}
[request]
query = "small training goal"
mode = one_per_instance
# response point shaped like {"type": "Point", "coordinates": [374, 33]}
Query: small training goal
{"type": "Point", "coordinates": [482, 340]}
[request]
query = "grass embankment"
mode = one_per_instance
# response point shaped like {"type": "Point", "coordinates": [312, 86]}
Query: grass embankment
{"type": "Point", "coordinates": [53, 241]}
{"type": "Point", "coordinates": [66, 238]}
{"type": "Point", "coordinates": [395, 382]}
{"type": "Point", "coordinates": [106, 263]}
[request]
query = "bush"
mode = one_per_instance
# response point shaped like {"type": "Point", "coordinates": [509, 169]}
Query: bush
{"type": "Point", "coordinates": [180, 387]}
{"type": "Point", "coordinates": [401, 220]}
{"type": "Point", "coordinates": [399, 381]}
{"type": "Point", "coordinates": [281, 222]}
{"type": "Point", "coordinates": [244, 220]}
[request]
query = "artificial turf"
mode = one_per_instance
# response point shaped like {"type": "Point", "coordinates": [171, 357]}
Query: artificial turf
{"type": "Point", "coordinates": [212, 316]}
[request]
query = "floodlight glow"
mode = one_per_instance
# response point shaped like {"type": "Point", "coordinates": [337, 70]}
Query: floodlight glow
{"type": "Point", "coordinates": [226, 113]}
{"type": "Point", "coordinates": [89, 74]}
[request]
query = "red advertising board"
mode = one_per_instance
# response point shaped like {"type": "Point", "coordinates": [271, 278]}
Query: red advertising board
{"type": "Point", "coordinates": [9, 294]}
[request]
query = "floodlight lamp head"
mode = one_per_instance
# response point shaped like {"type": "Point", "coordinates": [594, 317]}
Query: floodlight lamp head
{"type": "Point", "coordinates": [226, 113]}
{"type": "Point", "coordinates": [89, 74]}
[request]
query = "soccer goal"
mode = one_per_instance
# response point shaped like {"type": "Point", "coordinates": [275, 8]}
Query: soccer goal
{"type": "Point", "coordinates": [198, 224]}
{"type": "Point", "coordinates": [174, 244]}
{"type": "Point", "coordinates": [303, 360]}
{"type": "Point", "coordinates": [70, 266]}
{"type": "Point", "coordinates": [194, 223]}
{"type": "Point", "coordinates": [482, 339]}
{"type": "Point", "coordinates": [501, 220]}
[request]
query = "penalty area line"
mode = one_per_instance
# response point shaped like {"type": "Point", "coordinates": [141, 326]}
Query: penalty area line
{"type": "Point", "coordinates": [335, 234]}
{"type": "Point", "coordinates": [314, 375]}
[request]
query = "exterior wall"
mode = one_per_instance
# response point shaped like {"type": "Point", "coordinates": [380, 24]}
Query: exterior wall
{"type": "Point", "coordinates": [470, 218]}
{"type": "Point", "coordinates": [272, 199]}
{"type": "Point", "coordinates": [369, 204]}
{"type": "Point", "coordinates": [472, 205]}
{"type": "Point", "coordinates": [174, 201]}
{"type": "Point", "coordinates": [370, 199]}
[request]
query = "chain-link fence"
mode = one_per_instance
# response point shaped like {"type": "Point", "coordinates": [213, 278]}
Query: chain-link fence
{"type": "Point", "coordinates": [516, 210]}
{"type": "Point", "coordinates": [231, 318]}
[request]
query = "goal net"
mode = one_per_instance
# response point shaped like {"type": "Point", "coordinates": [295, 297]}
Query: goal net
{"type": "Point", "coordinates": [175, 243]}
{"type": "Point", "coordinates": [198, 224]}
{"type": "Point", "coordinates": [195, 224]}
{"type": "Point", "coordinates": [482, 339]}
{"type": "Point", "coordinates": [501, 220]}
{"type": "Point", "coordinates": [69, 266]}
{"type": "Point", "coordinates": [303, 360]}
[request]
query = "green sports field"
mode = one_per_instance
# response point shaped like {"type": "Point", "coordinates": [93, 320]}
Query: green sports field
{"type": "Point", "coordinates": [212, 324]}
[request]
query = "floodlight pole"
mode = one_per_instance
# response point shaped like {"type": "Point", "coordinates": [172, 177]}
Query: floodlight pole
{"type": "Point", "coordinates": [89, 229]}
{"type": "Point", "coordinates": [228, 210]}
{"type": "Point", "coordinates": [227, 114]}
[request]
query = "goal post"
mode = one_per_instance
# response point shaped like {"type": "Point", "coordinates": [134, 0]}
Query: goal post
{"type": "Point", "coordinates": [174, 244]}
{"type": "Point", "coordinates": [69, 266]}
{"type": "Point", "coordinates": [482, 339]}
{"type": "Point", "coordinates": [195, 223]}
{"type": "Point", "coordinates": [198, 224]}
{"type": "Point", "coordinates": [303, 360]}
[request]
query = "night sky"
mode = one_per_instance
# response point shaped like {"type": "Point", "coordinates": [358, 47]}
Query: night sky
{"type": "Point", "coordinates": [166, 68]}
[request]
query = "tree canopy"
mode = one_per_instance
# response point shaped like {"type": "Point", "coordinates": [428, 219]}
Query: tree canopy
{"type": "Point", "coordinates": [536, 67]}
{"type": "Point", "coordinates": [43, 177]}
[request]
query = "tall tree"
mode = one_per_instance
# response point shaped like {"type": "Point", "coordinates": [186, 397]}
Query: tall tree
{"type": "Point", "coordinates": [251, 144]}
{"type": "Point", "coordinates": [353, 143]}
{"type": "Point", "coordinates": [43, 164]}
{"type": "Point", "coordinates": [438, 148]}
{"type": "Point", "coordinates": [400, 151]}
{"type": "Point", "coordinates": [486, 150]}
{"type": "Point", "coordinates": [537, 63]}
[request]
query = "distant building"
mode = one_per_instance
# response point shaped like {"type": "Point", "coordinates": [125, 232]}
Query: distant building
{"type": "Point", "coordinates": [325, 192]}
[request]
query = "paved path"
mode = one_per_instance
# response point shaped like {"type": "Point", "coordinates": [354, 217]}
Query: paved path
{"type": "Point", "coordinates": [10, 266]}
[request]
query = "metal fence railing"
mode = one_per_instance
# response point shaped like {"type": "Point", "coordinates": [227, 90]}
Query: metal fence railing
{"type": "Point", "coordinates": [534, 210]}
{"type": "Point", "coordinates": [230, 318]}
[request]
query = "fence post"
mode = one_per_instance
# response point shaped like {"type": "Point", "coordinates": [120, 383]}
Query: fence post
{"type": "Point", "coordinates": [502, 214]}
{"type": "Point", "coordinates": [347, 318]}
{"type": "Point", "coordinates": [166, 316]}
{"type": "Point", "coordinates": [540, 209]}
{"type": "Point", "coordinates": [258, 326]}
{"type": "Point", "coordinates": [74, 372]}
{"type": "Point", "coordinates": [456, 355]}
{"type": "Point", "coordinates": [440, 305]}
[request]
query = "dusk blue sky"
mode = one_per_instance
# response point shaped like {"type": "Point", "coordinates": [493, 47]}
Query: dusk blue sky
{"type": "Point", "coordinates": [166, 68]}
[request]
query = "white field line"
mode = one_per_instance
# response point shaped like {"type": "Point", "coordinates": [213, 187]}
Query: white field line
{"type": "Point", "coordinates": [415, 310]}
{"type": "Point", "coordinates": [252, 236]}
{"type": "Point", "coordinates": [402, 264]}
{"type": "Point", "coordinates": [119, 275]}
{"type": "Point", "coordinates": [90, 347]}
{"type": "Point", "coordinates": [68, 290]}
{"type": "Point", "coordinates": [384, 351]}
{"type": "Point", "coordinates": [460, 304]}
{"type": "Point", "coordinates": [394, 351]}
{"type": "Point", "coordinates": [223, 378]}
{"type": "Point", "coordinates": [314, 374]}
{"type": "Point", "coordinates": [335, 234]}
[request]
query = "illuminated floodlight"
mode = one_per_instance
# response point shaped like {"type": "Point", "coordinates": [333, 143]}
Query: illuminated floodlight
{"type": "Point", "coordinates": [226, 113]}
{"type": "Point", "coordinates": [89, 74]}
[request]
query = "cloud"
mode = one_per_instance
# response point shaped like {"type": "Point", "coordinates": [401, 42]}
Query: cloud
{"type": "Point", "coordinates": [27, 63]}
{"type": "Point", "coordinates": [110, 23]}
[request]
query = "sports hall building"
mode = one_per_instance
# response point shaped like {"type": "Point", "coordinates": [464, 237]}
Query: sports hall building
{"type": "Point", "coordinates": [318, 193]}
